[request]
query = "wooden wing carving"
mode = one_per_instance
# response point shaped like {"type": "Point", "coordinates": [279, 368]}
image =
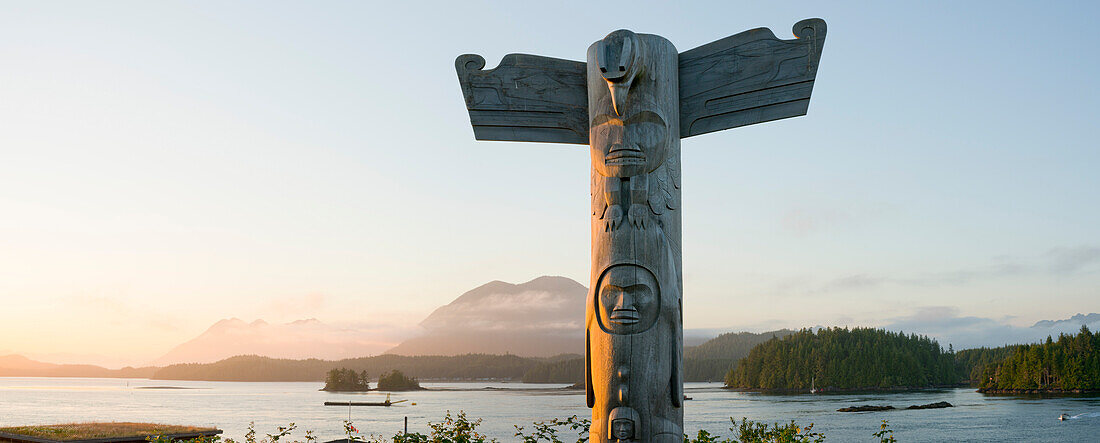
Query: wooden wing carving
{"type": "Point", "coordinates": [526, 98]}
{"type": "Point", "coordinates": [749, 78]}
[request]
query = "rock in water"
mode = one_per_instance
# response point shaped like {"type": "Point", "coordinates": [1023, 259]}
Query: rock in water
{"type": "Point", "coordinates": [936, 405]}
{"type": "Point", "coordinates": [865, 408]}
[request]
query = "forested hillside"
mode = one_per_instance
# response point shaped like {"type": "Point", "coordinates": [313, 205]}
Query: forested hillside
{"type": "Point", "coordinates": [843, 359]}
{"type": "Point", "coordinates": [254, 368]}
{"type": "Point", "coordinates": [972, 363]}
{"type": "Point", "coordinates": [711, 361]}
{"type": "Point", "coordinates": [1069, 364]}
{"type": "Point", "coordinates": [561, 371]}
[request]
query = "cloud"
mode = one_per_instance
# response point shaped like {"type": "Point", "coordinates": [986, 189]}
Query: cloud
{"type": "Point", "coordinates": [946, 325]}
{"type": "Point", "coordinates": [999, 267]}
{"type": "Point", "coordinates": [1069, 260]}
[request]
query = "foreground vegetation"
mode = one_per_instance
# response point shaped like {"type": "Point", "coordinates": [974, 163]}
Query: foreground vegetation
{"type": "Point", "coordinates": [843, 359]}
{"type": "Point", "coordinates": [460, 429]}
{"type": "Point", "coordinates": [1069, 364]}
{"type": "Point", "coordinates": [84, 431]}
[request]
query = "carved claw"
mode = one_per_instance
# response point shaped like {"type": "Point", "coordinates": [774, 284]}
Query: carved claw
{"type": "Point", "coordinates": [614, 218]}
{"type": "Point", "coordinates": [638, 215]}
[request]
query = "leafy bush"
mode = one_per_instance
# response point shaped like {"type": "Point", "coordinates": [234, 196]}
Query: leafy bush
{"type": "Point", "coordinates": [546, 430]}
{"type": "Point", "coordinates": [460, 429]}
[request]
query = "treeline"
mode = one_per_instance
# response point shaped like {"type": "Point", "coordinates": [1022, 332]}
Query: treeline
{"type": "Point", "coordinates": [843, 359]}
{"type": "Point", "coordinates": [1069, 364]}
{"type": "Point", "coordinates": [256, 368]}
{"type": "Point", "coordinates": [973, 363]}
{"type": "Point", "coordinates": [397, 381]}
{"type": "Point", "coordinates": [346, 380]}
{"type": "Point", "coordinates": [562, 371]}
{"type": "Point", "coordinates": [709, 361]}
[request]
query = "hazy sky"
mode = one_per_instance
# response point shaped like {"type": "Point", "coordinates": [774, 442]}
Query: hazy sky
{"type": "Point", "coordinates": [167, 164]}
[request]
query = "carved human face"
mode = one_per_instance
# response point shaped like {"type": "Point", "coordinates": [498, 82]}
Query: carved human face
{"type": "Point", "coordinates": [622, 428]}
{"type": "Point", "coordinates": [629, 299]}
{"type": "Point", "coordinates": [627, 147]}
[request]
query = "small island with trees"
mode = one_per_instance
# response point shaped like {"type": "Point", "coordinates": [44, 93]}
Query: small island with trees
{"type": "Point", "coordinates": [397, 381]}
{"type": "Point", "coordinates": [347, 380]}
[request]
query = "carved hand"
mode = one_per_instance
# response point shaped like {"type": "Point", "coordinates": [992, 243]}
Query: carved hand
{"type": "Point", "coordinates": [614, 218]}
{"type": "Point", "coordinates": [638, 214]}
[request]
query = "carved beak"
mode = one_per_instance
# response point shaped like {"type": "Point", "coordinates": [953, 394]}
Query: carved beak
{"type": "Point", "coordinates": [616, 56]}
{"type": "Point", "coordinates": [619, 91]}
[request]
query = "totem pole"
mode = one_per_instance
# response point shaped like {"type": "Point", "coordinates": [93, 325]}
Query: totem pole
{"type": "Point", "coordinates": [632, 102]}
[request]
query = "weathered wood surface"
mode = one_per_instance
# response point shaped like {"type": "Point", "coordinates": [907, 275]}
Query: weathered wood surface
{"type": "Point", "coordinates": [634, 343]}
{"type": "Point", "coordinates": [748, 78]}
{"type": "Point", "coordinates": [526, 98]}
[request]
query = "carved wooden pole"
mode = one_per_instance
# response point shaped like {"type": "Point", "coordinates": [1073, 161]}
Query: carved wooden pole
{"type": "Point", "coordinates": [632, 102]}
{"type": "Point", "coordinates": [634, 342]}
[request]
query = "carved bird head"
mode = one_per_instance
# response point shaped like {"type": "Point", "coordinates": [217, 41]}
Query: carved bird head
{"type": "Point", "coordinates": [616, 56]}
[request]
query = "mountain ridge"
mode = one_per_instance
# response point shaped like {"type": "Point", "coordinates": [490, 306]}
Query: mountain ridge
{"type": "Point", "coordinates": [1078, 319]}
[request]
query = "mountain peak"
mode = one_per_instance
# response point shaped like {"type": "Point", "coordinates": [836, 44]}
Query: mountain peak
{"type": "Point", "coordinates": [542, 317]}
{"type": "Point", "coordinates": [1077, 320]}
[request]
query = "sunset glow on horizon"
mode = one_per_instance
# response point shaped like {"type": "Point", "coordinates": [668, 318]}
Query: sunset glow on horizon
{"type": "Point", "coordinates": [168, 165]}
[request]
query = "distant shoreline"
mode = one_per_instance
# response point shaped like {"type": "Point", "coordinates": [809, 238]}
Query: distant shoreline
{"type": "Point", "coordinates": [895, 389]}
{"type": "Point", "coordinates": [992, 391]}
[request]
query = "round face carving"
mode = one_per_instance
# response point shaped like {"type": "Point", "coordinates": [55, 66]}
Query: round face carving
{"type": "Point", "coordinates": [622, 429]}
{"type": "Point", "coordinates": [628, 299]}
{"type": "Point", "coordinates": [628, 147]}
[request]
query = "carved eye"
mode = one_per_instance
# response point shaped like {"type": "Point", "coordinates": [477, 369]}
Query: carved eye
{"type": "Point", "coordinates": [640, 293]}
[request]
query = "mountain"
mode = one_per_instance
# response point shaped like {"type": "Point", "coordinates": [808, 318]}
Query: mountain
{"type": "Point", "coordinates": [1076, 321]}
{"type": "Point", "coordinates": [308, 338]}
{"type": "Point", "coordinates": [20, 366]}
{"type": "Point", "coordinates": [539, 318]}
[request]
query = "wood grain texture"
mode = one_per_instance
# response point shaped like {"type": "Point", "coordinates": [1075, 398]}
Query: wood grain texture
{"type": "Point", "coordinates": [634, 341]}
{"type": "Point", "coordinates": [526, 98]}
{"type": "Point", "coordinates": [748, 78]}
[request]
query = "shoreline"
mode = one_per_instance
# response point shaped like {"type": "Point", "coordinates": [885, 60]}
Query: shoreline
{"type": "Point", "coordinates": [1055, 392]}
{"type": "Point", "coordinates": [889, 390]}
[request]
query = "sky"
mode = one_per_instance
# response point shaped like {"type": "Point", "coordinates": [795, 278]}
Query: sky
{"type": "Point", "coordinates": [164, 165]}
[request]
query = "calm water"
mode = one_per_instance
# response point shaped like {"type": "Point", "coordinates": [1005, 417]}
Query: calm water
{"type": "Point", "coordinates": [230, 406]}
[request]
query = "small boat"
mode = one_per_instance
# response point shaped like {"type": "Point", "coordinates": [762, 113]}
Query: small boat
{"type": "Point", "coordinates": [1063, 417]}
{"type": "Point", "coordinates": [813, 388]}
